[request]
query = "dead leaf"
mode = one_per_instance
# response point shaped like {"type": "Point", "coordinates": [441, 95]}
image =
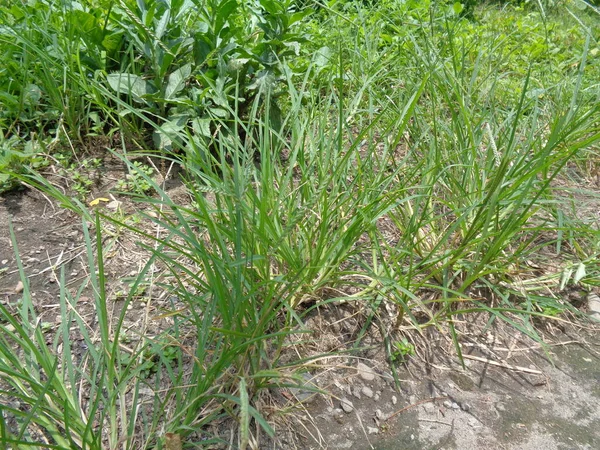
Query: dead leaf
{"type": "Point", "coordinates": [172, 441]}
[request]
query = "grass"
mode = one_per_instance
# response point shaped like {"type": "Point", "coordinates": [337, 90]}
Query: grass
{"type": "Point", "coordinates": [429, 123]}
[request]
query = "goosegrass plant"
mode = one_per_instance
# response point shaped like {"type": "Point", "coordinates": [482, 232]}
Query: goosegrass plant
{"type": "Point", "coordinates": [65, 386]}
{"type": "Point", "coordinates": [260, 239]}
{"type": "Point", "coordinates": [485, 203]}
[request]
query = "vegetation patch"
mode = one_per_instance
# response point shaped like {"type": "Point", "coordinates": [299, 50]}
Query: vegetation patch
{"type": "Point", "coordinates": [406, 164]}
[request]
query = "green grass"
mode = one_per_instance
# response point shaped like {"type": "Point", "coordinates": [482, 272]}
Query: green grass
{"type": "Point", "coordinates": [464, 137]}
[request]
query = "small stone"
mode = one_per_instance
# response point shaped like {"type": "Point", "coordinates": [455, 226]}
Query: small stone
{"type": "Point", "coordinates": [465, 407]}
{"type": "Point", "coordinates": [372, 430]}
{"type": "Point", "coordinates": [394, 400]}
{"type": "Point", "coordinates": [473, 422]}
{"type": "Point", "coordinates": [367, 391]}
{"type": "Point", "coordinates": [377, 397]}
{"type": "Point", "coordinates": [500, 407]}
{"type": "Point", "coordinates": [447, 404]}
{"type": "Point", "coordinates": [455, 406]}
{"type": "Point", "coordinates": [356, 392]}
{"type": "Point", "coordinates": [346, 405]}
{"type": "Point", "coordinates": [4, 262]}
{"type": "Point", "coordinates": [412, 399]}
{"type": "Point", "coordinates": [429, 408]}
{"type": "Point", "coordinates": [379, 414]}
{"type": "Point", "coordinates": [19, 287]}
{"type": "Point", "coordinates": [593, 303]}
{"type": "Point", "coordinates": [114, 205]}
{"type": "Point", "coordinates": [365, 372]}
{"type": "Point", "coordinates": [302, 395]}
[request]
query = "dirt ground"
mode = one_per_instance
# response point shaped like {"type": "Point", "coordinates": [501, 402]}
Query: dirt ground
{"type": "Point", "coordinates": [511, 394]}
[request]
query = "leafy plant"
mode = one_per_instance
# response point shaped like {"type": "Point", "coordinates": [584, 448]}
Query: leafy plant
{"type": "Point", "coordinates": [402, 350]}
{"type": "Point", "coordinates": [136, 180]}
{"type": "Point", "coordinates": [15, 160]}
{"type": "Point", "coordinates": [78, 174]}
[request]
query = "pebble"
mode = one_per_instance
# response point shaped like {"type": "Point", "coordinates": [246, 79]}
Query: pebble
{"type": "Point", "coordinates": [429, 408]}
{"type": "Point", "coordinates": [473, 422]}
{"type": "Point", "coordinates": [302, 395]}
{"type": "Point", "coordinates": [377, 396]}
{"type": "Point", "coordinates": [394, 400]}
{"type": "Point", "coordinates": [356, 392]}
{"type": "Point", "coordinates": [338, 415]}
{"type": "Point", "coordinates": [412, 399]}
{"type": "Point", "coordinates": [380, 415]}
{"type": "Point", "coordinates": [346, 405]}
{"type": "Point", "coordinates": [19, 287]}
{"type": "Point", "coordinates": [465, 407]}
{"type": "Point", "coordinates": [114, 205]}
{"type": "Point", "coordinates": [593, 303]}
{"type": "Point", "coordinates": [367, 391]}
{"type": "Point", "coordinates": [500, 407]}
{"type": "Point", "coordinates": [447, 404]}
{"type": "Point", "coordinates": [372, 430]}
{"type": "Point", "coordinates": [4, 262]}
{"type": "Point", "coordinates": [365, 372]}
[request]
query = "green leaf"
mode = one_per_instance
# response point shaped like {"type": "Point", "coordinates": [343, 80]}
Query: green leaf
{"type": "Point", "coordinates": [177, 81]}
{"type": "Point", "coordinates": [127, 83]}
{"type": "Point", "coordinates": [162, 24]}
{"type": "Point", "coordinates": [322, 57]}
{"type": "Point", "coordinates": [201, 127]}
{"type": "Point", "coordinates": [457, 7]}
{"type": "Point", "coordinates": [112, 41]}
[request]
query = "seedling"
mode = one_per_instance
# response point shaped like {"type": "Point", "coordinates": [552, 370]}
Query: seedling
{"type": "Point", "coordinates": [134, 181]}
{"type": "Point", "coordinates": [403, 350]}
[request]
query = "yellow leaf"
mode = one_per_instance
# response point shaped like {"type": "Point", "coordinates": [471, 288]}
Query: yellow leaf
{"type": "Point", "coordinates": [96, 201]}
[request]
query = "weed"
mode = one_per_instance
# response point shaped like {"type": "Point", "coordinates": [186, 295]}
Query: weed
{"type": "Point", "coordinates": [403, 155]}
{"type": "Point", "coordinates": [135, 181]}
{"type": "Point", "coordinates": [402, 350]}
{"type": "Point", "coordinates": [79, 175]}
